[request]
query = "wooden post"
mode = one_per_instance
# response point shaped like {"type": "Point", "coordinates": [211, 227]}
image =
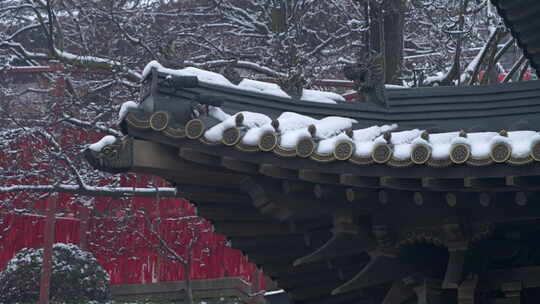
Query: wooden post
{"type": "Point", "coordinates": [47, 250]}
{"type": "Point", "coordinates": [83, 228]}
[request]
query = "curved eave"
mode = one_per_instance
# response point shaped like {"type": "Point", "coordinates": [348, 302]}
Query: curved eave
{"type": "Point", "coordinates": [521, 17]}
{"type": "Point", "coordinates": [254, 161]}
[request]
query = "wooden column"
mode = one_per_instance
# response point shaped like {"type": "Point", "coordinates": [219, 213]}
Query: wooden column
{"type": "Point", "coordinates": [46, 269]}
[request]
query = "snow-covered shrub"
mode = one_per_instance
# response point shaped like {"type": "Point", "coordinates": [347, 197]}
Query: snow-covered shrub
{"type": "Point", "coordinates": [76, 277]}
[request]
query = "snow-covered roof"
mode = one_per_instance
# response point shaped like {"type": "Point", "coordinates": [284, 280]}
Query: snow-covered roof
{"type": "Point", "coordinates": [333, 138]}
{"type": "Point", "coordinates": [246, 84]}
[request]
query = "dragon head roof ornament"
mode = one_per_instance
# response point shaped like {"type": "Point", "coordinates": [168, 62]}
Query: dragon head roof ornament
{"type": "Point", "coordinates": [368, 77]}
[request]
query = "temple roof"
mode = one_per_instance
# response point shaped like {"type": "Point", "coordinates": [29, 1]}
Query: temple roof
{"type": "Point", "coordinates": [377, 193]}
{"type": "Point", "coordinates": [521, 17]}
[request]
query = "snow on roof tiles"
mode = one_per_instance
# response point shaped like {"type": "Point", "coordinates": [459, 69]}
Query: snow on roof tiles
{"type": "Point", "coordinates": [332, 138]}
{"type": "Point", "coordinates": [246, 84]}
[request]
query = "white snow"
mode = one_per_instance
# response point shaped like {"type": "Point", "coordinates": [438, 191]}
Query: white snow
{"type": "Point", "coordinates": [326, 146]}
{"type": "Point", "coordinates": [202, 75]}
{"type": "Point", "coordinates": [290, 139]}
{"type": "Point", "coordinates": [292, 121]}
{"type": "Point", "coordinates": [262, 87]}
{"type": "Point", "coordinates": [105, 141]}
{"type": "Point", "coordinates": [365, 139]}
{"type": "Point", "coordinates": [331, 126]}
{"type": "Point", "coordinates": [217, 113]}
{"type": "Point", "coordinates": [251, 120]}
{"type": "Point", "coordinates": [125, 108]}
{"type": "Point", "coordinates": [246, 84]}
{"type": "Point", "coordinates": [480, 143]}
{"type": "Point", "coordinates": [403, 143]}
{"type": "Point", "coordinates": [441, 144]}
{"type": "Point", "coordinates": [321, 96]}
{"type": "Point", "coordinates": [253, 135]}
{"type": "Point", "coordinates": [522, 141]}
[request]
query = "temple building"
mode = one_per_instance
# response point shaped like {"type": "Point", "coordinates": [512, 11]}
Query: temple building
{"type": "Point", "coordinates": [417, 195]}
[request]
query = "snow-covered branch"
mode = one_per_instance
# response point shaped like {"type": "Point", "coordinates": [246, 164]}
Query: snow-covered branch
{"type": "Point", "coordinates": [93, 190]}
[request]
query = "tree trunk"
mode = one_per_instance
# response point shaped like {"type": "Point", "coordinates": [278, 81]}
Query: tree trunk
{"type": "Point", "coordinates": [187, 268]}
{"type": "Point", "coordinates": [389, 40]}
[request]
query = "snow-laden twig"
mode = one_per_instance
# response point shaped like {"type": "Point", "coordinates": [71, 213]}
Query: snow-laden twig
{"type": "Point", "coordinates": [93, 190]}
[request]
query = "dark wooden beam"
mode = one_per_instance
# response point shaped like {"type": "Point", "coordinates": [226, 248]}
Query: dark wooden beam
{"type": "Point", "coordinates": [295, 187]}
{"type": "Point", "coordinates": [278, 172]}
{"type": "Point", "coordinates": [341, 244]}
{"type": "Point", "coordinates": [398, 293]}
{"type": "Point", "coordinates": [484, 183]}
{"type": "Point", "coordinates": [411, 184]}
{"type": "Point", "coordinates": [162, 160]}
{"type": "Point", "coordinates": [442, 183]}
{"type": "Point", "coordinates": [386, 197]}
{"type": "Point", "coordinates": [428, 198]}
{"type": "Point", "coordinates": [332, 194]}
{"type": "Point", "coordinates": [318, 177]}
{"type": "Point", "coordinates": [278, 270]}
{"type": "Point", "coordinates": [359, 181]}
{"type": "Point", "coordinates": [199, 157]}
{"type": "Point", "coordinates": [240, 166]}
{"type": "Point", "coordinates": [362, 196]}
{"type": "Point", "coordinates": [523, 181]}
{"type": "Point", "coordinates": [331, 276]}
{"type": "Point", "coordinates": [381, 269]}
{"type": "Point", "coordinates": [277, 211]}
{"type": "Point", "coordinates": [197, 193]}
{"type": "Point", "coordinates": [271, 243]}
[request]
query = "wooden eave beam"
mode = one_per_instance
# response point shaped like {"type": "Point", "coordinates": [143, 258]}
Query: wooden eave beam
{"type": "Point", "coordinates": [484, 183]}
{"type": "Point", "coordinates": [239, 166]}
{"type": "Point", "coordinates": [278, 172]}
{"type": "Point", "coordinates": [316, 176]}
{"type": "Point", "coordinates": [497, 171]}
{"type": "Point", "coordinates": [380, 269]}
{"type": "Point", "coordinates": [332, 276]}
{"type": "Point", "coordinates": [523, 181]}
{"type": "Point", "coordinates": [359, 181]}
{"type": "Point", "coordinates": [199, 157]}
{"type": "Point", "coordinates": [341, 244]}
{"type": "Point", "coordinates": [410, 184]}
{"type": "Point", "coordinates": [279, 269]}
{"type": "Point", "coordinates": [444, 184]}
{"type": "Point", "coordinates": [158, 159]}
{"type": "Point", "coordinates": [197, 193]}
